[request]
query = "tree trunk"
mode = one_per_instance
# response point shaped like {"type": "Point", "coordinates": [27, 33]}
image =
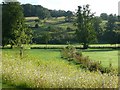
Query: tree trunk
{"type": "Point", "coordinates": [11, 46]}
{"type": "Point", "coordinates": [21, 51]}
{"type": "Point", "coordinates": [3, 46]}
{"type": "Point", "coordinates": [46, 43]}
{"type": "Point", "coordinates": [85, 46]}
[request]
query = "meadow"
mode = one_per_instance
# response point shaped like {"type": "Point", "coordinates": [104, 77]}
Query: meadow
{"type": "Point", "coordinates": [44, 68]}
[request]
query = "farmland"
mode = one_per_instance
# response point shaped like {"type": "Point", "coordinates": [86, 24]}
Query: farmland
{"type": "Point", "coordinates": [43, 48]}
{"type": "Point", "coordinates": [43, 63]}
{"type": "Point", "coordinates": [46, 66]}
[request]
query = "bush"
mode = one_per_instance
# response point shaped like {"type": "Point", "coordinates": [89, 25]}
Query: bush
{"type": "Point", "coordinates": [68, 52]}
{"type": "Point", "coordinates": [36, 26]}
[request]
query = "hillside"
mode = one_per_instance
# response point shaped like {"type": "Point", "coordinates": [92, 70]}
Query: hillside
{"type": "Point", "coordinates": [61, 29]}
{"type": "Point", "coordinates": [58, 26]}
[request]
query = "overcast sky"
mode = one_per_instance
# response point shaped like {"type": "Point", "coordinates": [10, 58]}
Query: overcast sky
{"type": "Point", "coordinates": [98, 6]}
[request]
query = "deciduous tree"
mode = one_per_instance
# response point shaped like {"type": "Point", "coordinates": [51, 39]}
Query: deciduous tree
{"type": "Point", "coordinates": [15, 32]}
{"type": "Point", "coordinates": [85, 31]}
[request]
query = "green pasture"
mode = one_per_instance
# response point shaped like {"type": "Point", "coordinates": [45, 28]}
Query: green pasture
{"type": "Point", "coordinates": [44, 68]}
{"type": "Point", "coordinates": [65, 25]}
{"type": "Point", "coordinates": [106, 56]}
{"type": "Point", "coordinates": [31, 18]}
{"type": "Point", "coordinates": [56, 22]}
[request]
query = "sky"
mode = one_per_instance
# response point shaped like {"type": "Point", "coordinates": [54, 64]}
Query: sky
{"type": "Point", "coordinates": [98, 6]}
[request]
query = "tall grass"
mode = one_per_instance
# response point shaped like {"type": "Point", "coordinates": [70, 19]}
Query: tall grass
{"type": "Point", "coordinates": [32, 72]}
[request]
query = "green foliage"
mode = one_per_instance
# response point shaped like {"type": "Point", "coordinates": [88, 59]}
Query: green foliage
{"type": "Point", "coordinates": [98, 28]}
{"type": "Point", "coordinates": [36, 26]}
{"type": "Point", "coordinates": [11, 16]}
{"type": "Point", "coordinates": [111, 35]}
{"type": "Point", "coordinates": [15, 32]}
{"type": "Point", "coordinates": [62, 31]}
{"type": "Point", "coordinates": [104, 16]}
{"type": "Point", "coordinates": [70, 53]}
{"type": "Point", "coordinates": [60, 13]}
{"type": "Point", "coordinates": [46, 37]}
{"type": "Point", "coordinates": [111, 23]}
{"type": "Point", "coordinates": [35, 10]}
{"type": "Point", "coordinates": [42, 12]}
{"type": "Point", "coordinates": [85, 31]}
{"type": "Point", "coordinates": [57, 19]}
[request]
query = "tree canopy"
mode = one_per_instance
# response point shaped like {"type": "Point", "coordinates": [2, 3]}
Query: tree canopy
{"type": "Point", "coordinates": [41, 12]}
{"type": "Point", "coordinates": [85, 31]}
{"type": "Point", "coordinates": [15, 32]}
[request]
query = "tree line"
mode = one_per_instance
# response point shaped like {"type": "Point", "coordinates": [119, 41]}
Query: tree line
{"type": "Point", "coordinates": [30, 10]}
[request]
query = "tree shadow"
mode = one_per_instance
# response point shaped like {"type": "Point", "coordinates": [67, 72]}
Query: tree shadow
{"type": "Point", "coordinates": [99, 50]}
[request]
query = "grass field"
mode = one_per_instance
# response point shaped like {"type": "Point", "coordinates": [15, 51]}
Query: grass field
{"type": "Point", "coordinates": [106, 56]}
{"type": "Point", "coordinates": [43, 68]}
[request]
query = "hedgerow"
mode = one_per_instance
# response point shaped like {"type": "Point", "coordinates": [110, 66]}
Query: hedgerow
{"type": "Point", "coordinates": [71, 54]}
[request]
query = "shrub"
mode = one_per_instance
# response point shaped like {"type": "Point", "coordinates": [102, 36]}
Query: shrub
{"type": "Point", "coordinates": [36, 26]}
{"type": "Point", "coordinates": [68, 52]}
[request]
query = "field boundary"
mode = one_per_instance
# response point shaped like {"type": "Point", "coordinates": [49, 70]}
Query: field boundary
{"type": "Point", "coordinates": [63, 46]}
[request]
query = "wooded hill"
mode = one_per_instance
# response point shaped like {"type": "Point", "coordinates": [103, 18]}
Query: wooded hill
{"type": "Point", "coordinates": [58, 26]}
{"type": "Point", "coordinates": [42, 12]}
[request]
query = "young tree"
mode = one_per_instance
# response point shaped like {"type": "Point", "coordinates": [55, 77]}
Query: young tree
{"type": "Point", "coordinates": [85, 31]}
{"type": "Point", "coordinates": [23, 36]}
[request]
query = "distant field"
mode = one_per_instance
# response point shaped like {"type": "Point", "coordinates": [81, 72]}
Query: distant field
{"type": "Point", "coordinates": [65, 25]}
{"type": "Point", "coordinates": [55, 22]}
{"type": "Point", "coordinates": [31, 18]}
